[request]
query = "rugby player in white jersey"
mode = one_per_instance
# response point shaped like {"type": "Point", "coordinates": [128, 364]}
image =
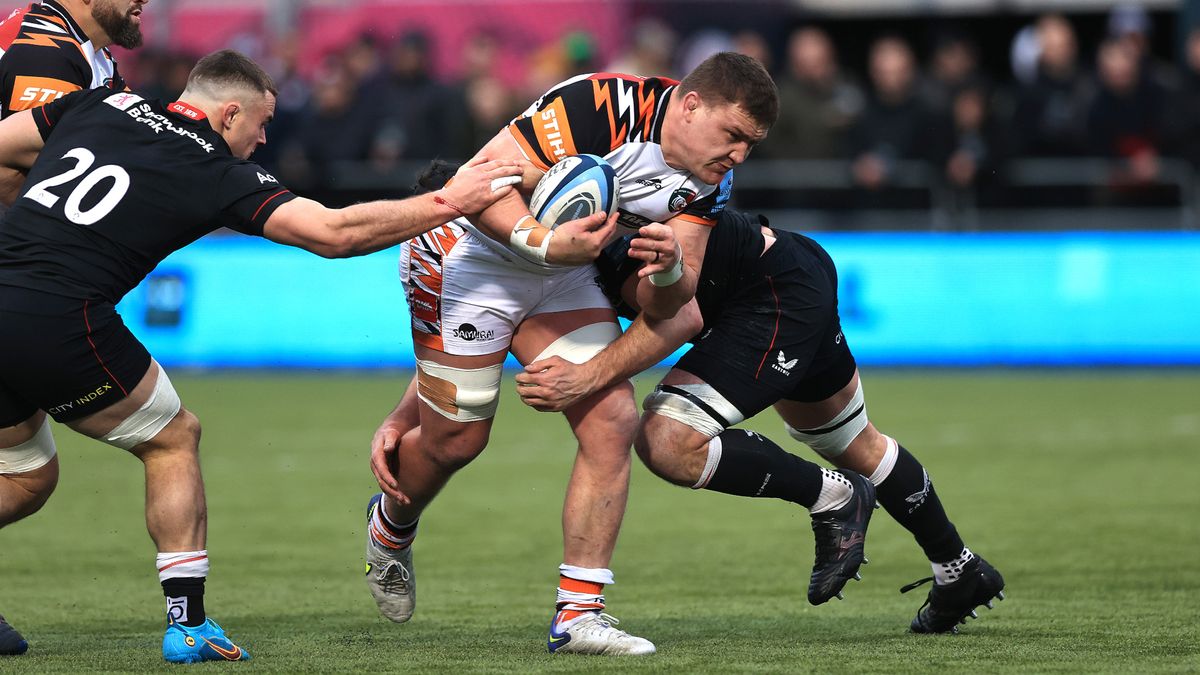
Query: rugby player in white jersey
{"type": "Point", "coordinates": [477, 291]}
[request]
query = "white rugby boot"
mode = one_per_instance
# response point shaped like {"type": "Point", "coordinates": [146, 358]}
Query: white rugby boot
{"type": "Point", "coordinates": [390, 575]}
{"type": "Point", "coordinates": [595, 633]}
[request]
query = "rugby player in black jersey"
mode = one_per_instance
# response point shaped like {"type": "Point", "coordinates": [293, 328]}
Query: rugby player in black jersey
{"type": "Point", "coordinates": [766, 332]}
{"type": "Point", "coordinates": [120, 183]}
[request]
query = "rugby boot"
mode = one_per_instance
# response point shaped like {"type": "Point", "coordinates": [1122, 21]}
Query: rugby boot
{"type": "Point", "coordinates": [390, 575]}
{"type": "Point", "coordinates": [11, 642]}
{"type": "Point", "coordinates": [840, 536]}
{"type": "Point", "coordinates": [950, 604]}
{"type": "Point", "coordinates": [595, 633]}
{"type": "Point", "coordinates": [206, 642]}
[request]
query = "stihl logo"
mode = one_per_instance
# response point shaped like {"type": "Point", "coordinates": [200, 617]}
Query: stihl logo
{"type": "Point", "coordinates": [40, 95]}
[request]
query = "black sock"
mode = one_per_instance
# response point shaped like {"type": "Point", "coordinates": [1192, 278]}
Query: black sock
{"type": "Point", "coordinates": [753, 466]}
{"type": "Point", "coordinates": [185, 600]}
{"type": "Point", "coordinates": [909, 497]}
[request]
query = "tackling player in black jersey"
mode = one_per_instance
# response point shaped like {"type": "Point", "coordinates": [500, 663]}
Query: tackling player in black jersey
{"type": "Point", "coordinates": [766, 332]}
{"type": "Point", "coordinates": [120, 183]}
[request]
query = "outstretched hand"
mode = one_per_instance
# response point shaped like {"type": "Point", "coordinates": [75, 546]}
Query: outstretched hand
{"type": "Point", "coordinates": [480, 182]}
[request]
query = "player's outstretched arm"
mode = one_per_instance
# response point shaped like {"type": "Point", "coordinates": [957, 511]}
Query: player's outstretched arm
{"type": "Point", "coordinates": [20, 143]}
{"type": "Point", "coordinates": [365, 228]}
{"type": "Point", "coordinates": [555, 384]}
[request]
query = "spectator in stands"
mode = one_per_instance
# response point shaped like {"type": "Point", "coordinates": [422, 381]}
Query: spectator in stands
{"type": "Point", "coordinates": [1051, 112]}
{"type": "Point", "coordinates": [1183, 122]}
{"type": "Point", "coordinates": [895, 125]}
{"type": "Point", "coordinates": [650, 52]}
{"type": "Point", "coordinates": [420, 117]}
{"type": "Point", "coordinates": [974, 145]}
{"type": "Point", "coordinates": [337, 127]}
{"type": "Point", "coordinates": [1126, 114]}
{"type": "Point", "coordinates": [1129, 23]}
{"type": "Point", "coordinates": [953, 66]}
{"type": "Point", "coordinates": [751, 43]}
{"type": "Point", "coordinates": [817, 104]}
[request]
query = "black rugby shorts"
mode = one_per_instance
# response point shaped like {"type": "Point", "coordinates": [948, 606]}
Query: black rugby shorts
{"type": "Point", "coordinates": [779, 336]}
{"type": "Point", "coordinates": [69, 357]}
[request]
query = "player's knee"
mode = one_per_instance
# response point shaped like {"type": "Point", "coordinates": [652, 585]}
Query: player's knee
{"type": "Point", "coordinates": [459, 394]}
{"type": "Point", "coordinates": [160, 411]}
{"type": "Point", "coordinates": [832, 439]}
{"type": "Point", "coordinates": [30, 473]}
{"type": "Point", "coordinates": [667, 448]}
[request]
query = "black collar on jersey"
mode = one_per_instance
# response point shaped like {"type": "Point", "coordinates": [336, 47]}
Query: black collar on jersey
{"type": "Point", "coordinates": [187, 111]}
{"type": "Point", "coordinates": [66, 16]}
{"type": "Point", "coordinates": [656, 132]}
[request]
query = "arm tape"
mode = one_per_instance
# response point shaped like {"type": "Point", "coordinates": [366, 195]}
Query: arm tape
{"type": "Point", "coordinates": [530, 241]}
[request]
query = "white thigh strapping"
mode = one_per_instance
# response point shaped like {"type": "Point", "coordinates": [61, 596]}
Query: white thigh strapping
{"type": "Point", "coordinates": [697, 405]}
{"type": "Point", "coordinates": [581, 344]}
{"type": "Point", "coordinates": [32, 454]}
{"type": "Point", "coordinates": [460, 394]}
{"type": "Point", "coordinates": [832, 439]}
{"type": "Point", "coordinates": [155, 414]}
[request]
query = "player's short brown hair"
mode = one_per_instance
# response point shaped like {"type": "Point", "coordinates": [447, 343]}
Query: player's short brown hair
{"type": "Point", "coordinates": [229, 69]}
{"type": "Point", "coordinates": [730, 77]}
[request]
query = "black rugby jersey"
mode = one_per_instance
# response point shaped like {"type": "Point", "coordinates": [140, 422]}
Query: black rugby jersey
{"type": "Point", "coordinates": [731, 262]}
{"type": "Point", "coordinates": [122, 182]}
{"type": "Point", "coordinates": [45, 55]}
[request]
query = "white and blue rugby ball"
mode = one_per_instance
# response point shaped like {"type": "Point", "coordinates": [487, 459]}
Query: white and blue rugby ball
{"type": "Point", "coordinates": [574, 188]}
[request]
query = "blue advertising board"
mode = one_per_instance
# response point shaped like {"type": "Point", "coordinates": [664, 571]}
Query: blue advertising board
{"type": "Point", "coordinates": [906, 299]}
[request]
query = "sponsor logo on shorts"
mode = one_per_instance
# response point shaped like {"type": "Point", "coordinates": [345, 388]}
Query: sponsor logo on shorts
{"type": "Point", "coordinates": [680, 199]}
{"type": "Point", "coordinates": [470, 333]}
{"type": "Point", "coordinates": [782, 365]}
{"type": "Point", "coordinates": [837, 339]}
{"type": "Point", "coordinates": [82, 400]}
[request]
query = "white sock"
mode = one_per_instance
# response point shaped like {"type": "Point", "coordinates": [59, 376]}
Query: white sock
{"type": "Point", "coordinates": [836, 492]}
{"type": "Point", "coordinates": [951, 570]}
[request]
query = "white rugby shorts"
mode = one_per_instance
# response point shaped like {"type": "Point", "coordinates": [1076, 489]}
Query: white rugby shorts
{"type": "Point", "coordinates": [467, 299]}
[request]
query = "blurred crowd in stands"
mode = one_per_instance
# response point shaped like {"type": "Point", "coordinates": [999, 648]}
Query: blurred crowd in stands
{"type": "Point", "coordinates": [376, 103]}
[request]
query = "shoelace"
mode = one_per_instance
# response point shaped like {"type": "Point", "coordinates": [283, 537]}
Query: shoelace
{"type": "Point", "coordinates": [605, 622]}
{"type": "Point", "coordinates": [915, 584]}
{"type": "Point", "coordinates": [393, 583]}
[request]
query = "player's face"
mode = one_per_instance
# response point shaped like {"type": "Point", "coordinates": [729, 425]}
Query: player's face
{"type": "Point", "coordinates": [717, 138]}
{"type": "Point", "coordinates": [248, 128]}
{"type": "Point", "coordinates": [121, 20]}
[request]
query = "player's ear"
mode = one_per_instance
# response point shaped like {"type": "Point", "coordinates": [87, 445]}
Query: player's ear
{"type": "Point", "coordinates": [691, 102]}
{"type": "Point", "coordinates": [229, 112]}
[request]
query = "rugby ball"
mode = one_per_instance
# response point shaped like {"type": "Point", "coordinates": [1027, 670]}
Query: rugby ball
{"type": "Point", "coordinates": [574, 188]}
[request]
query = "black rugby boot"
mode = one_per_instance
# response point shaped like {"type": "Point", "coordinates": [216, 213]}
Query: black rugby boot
{"type": "Point", "coordinates": [840, 536]}
{"type": "Point", "coordinates": [11, 642]}
{"type": "Point", "coordinates": [949, 605]}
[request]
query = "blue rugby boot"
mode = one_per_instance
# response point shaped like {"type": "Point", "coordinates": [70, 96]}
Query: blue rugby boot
{"type": "Point", "coordinates": [11, 642]}
{"type": "Point", "coordinates": [206, 642]}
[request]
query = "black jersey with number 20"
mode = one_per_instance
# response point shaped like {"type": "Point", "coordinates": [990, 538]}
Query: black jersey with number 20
{"type": "Point", "coordinates": [121, 183]}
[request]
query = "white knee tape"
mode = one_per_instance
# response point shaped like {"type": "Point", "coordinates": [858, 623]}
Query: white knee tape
{"type": "Point", "coordinates": [697, 405]}
{"type": "Point", "coordinates": [833, 438]}
{"type": "Point", "coordinates": [460, 394]}
{"type": "Point", "coordinates": [156, 413]}
{"type": "Point", "coordinates": [581, 344]}
{"type": "Point", "coordinates": [32, 454]}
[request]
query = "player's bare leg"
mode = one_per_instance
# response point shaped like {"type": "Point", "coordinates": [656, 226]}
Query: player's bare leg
{"type": "Point", "coordinates": [453, 429]}
{"type": "Point", "coordinates": [28, 474]}
{"type": "Point", "coordinates": [24, 490]}
{"type": "Point", "coordinates": [154, 427]}
{"type": "Point", "coordinates": [962, 580]}
{"type": "Point", "coordinates": [598, 490]}
{"type": "Point", "coordinates": [682, 442]}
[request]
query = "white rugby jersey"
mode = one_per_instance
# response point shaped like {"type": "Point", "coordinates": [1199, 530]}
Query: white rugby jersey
{"type": "Point", "coordinates": [617, 117]}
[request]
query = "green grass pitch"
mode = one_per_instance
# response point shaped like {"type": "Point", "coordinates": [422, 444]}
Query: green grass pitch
{"type": "Point", "coordinates": [1083, 488]}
